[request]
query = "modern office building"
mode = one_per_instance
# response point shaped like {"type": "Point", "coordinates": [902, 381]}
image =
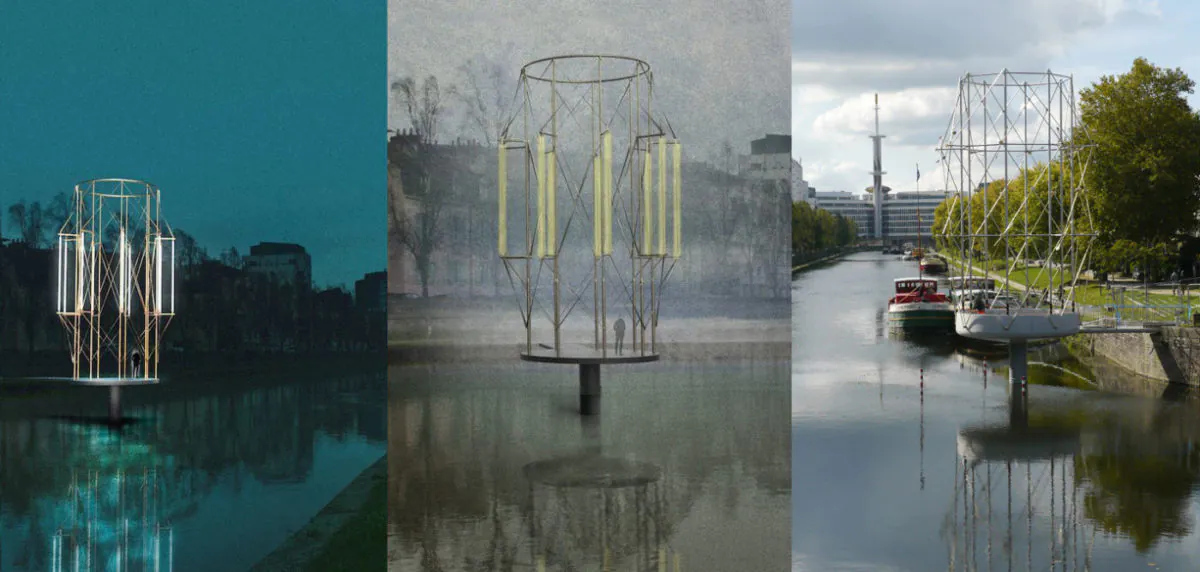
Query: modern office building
{"type": "Point", "coordinates": [282, 262]}
{"type": "Point", "coordinates": [899, 213]}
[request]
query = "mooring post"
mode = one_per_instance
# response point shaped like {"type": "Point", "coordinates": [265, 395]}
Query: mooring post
{"type": "Point", "coordinates": [589, 388]}
{"type": "Point", "coordinates": [114, 403]}
{"type": "Point", "coordinates": [1017, 361]}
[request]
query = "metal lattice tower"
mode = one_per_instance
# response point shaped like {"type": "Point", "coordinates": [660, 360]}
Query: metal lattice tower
{"type": "Point", "coordinates": [115, 280]}
{"type": "Point", "coordinates": [587, 144]}
{"type": "Point", "coordinates": [1014, 152]}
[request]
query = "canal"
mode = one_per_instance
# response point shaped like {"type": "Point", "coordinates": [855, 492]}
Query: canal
{"type": "Point", "coordinates": [1093, 469]}
{"type": "Point", "coordinates": [212, 474]}
{"type": "Point", "coordinates": [491, 467]}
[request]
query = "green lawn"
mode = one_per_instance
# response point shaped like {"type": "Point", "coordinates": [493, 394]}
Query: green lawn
{"type": "Point", "coordinates": [360, 544]}
{"type": "Point", "coordinates": [1085, 293]}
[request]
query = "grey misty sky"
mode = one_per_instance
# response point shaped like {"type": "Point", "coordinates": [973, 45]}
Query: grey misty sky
{"type": "Point", "coordinates": [720, 71]}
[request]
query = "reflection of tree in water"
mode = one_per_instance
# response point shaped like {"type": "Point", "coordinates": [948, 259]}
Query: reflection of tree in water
{"type": "Point", "coordinates": [188, 443]}
{"type": "Point", "coordinates": [1133, 466]}
{"type": "Point", "coordinates": [457, 451]}
{"type": "Point", "coordinates": [1139, 483]}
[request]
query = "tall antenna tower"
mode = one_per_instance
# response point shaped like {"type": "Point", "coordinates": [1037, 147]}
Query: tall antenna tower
{"type": "Point", "coordinates": [877, 173]}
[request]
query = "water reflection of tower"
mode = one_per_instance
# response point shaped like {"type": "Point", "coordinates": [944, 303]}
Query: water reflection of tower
{"type": "Point", "coordinates": [589, 510]}
{"type": "Point", "coordinates": [112, 519]}
{"type": "Point", "coordinates": [1007, 449]}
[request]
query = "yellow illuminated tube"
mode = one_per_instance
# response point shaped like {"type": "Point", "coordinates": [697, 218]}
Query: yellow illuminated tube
{"type": "Point", "coordinates": [503, 242]}
{"type": "Point", "coordinates": [551, 198]}
{"type": "Point", "coordinates": [646, 178]}
{"type": "Point", "coordinates": [678, 188]}
{"type": "Point", "coordinates": [597, 211]}
{"type": "Point", "coordinates": [541, 196]}
{"type": "Point", "coordinates": [608, 193]}
{"type": "Point", "coordinates": [662, 196]}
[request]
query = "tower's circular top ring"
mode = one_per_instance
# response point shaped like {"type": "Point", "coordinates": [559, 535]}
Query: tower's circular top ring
{"type": "Point", "coordinates": [116, 187]}
{"type": "Point", "coordinates": [584, 69]}
{"type": "Point", "coordinates": [1012, 78]}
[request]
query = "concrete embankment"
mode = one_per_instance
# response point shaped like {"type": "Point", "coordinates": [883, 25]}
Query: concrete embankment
{"type": "Point", "coordinates": [305, 544]}
{"type": "Point", "coordinates": [1172, 354]}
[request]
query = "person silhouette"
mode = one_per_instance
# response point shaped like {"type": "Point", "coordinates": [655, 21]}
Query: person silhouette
{"type": "Point", "coordinates": [135, 363]}
{"type": "Point", "coordinates": [619, 329]}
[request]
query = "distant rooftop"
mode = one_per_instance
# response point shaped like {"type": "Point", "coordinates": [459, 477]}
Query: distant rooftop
{"type": "Point", "coordinates": [275, 248]}
{"type": "Point", "coordinates": [772, 144]}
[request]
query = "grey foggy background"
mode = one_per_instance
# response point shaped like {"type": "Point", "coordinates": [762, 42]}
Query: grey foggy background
{"type": "Point", "coordinates": [720, 70]}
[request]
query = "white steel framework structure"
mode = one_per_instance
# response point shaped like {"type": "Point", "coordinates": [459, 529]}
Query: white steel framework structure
{"type": "Point", "coordinates": [115, 274]}
{"type": "Point", "coordinates": [1014, 156]}
{"type": "Point", "coordinates": [586, 143]}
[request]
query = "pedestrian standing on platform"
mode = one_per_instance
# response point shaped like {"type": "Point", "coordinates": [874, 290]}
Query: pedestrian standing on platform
{"type": "Point", "coordinates": [619, 329]}
{"type": "Point", "coordinates": [135, 361]}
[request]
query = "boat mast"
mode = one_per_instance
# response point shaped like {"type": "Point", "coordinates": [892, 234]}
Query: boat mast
{"type": "Point", "coordinates": [920, 271]}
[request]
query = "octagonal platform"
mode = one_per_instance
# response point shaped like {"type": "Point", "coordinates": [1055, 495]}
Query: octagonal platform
{"type": "Point", "coordinates": [1018, 325]}
{"type": "Point", "coordinates": [585, 354]}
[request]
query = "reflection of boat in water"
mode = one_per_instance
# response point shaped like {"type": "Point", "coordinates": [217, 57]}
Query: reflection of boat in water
{"type": "Point", "coordinates": [1007, 443]}
{"type": "Point", "coordinates": [918, 304]}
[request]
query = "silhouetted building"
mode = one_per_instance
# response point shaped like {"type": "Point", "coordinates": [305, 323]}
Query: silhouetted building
{"type": "Point", "coordinates": [770, 159]}
{"type": "Point", "coordinates": [281, 262]}
{"type": "Point", "coordinates": [370, 292]}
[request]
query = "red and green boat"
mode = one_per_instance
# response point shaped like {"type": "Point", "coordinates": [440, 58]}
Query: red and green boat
{"type": "Point", "coordinates": [918, 305]}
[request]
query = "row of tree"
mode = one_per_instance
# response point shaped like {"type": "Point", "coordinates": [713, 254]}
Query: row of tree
{"type": "Point", "coordinates": [220, 306]}
{"type": "Point", "coordinates": [816, 231]}
{"type": "Point", "coordinates": [1142, 182]}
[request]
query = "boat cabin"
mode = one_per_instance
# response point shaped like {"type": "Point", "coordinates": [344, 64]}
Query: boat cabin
{"type": "Point", "coordinates": [906, 285]}
{"type": "Point", "coordinates": [971, 283]}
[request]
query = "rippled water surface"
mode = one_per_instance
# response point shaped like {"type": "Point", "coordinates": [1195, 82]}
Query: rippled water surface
{"type": "Point", "coordinates": [1093, 470]}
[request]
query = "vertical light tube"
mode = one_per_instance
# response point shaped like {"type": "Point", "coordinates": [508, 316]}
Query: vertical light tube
{"type": "Point", "coordinates": [675, 198]}
{"type": "Point", "coordinates": [608, 193]}
{"type": "Point", "coordinates": [503, 239]}
{"type": "Point", "coordinates": [80, 272]}
{"type": "Point", "coordinates": [551, 202]}
{"type": "Point", "coordinates": [541, 196]}
{"type": "Point", "coordinates": [158, 264]}
{"type": "Point", "coordinates": [647, 175]}
{"type": "Point", "coordinates": [62, 265]}
{"type": "Point", "coordinates": [597, 208]}
{"type": "Point", "coordinates": [662, 196]}
{"type": "Point", "coordinates": [122, 275]}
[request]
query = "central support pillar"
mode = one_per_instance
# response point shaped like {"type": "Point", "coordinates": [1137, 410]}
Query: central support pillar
{"type": "Point", "coordinates": [114, 403]}
{"type": "Point", "coordinates": [1018, 361]}
{"type": "Point", "coordinates": [589, 388]}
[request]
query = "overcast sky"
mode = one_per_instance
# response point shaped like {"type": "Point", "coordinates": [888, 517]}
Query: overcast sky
{"type": "Point", "coordinates": [720, 72]}
{"type": "Point", "coordinates": [913, 52]}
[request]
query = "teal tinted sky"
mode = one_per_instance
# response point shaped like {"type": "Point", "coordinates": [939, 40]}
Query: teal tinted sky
{"type": "Point", "coordinates": [260, 121]}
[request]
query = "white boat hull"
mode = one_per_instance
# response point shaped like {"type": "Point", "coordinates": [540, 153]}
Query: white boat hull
{"type": "Point", "coordinates": [1023, 324]}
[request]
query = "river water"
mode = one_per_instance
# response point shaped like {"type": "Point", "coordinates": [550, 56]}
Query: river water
{"type": "Point", "coordinates": [1093, 469]}
{"type": "Point", "coordinates": [491, 467]}
{"type": "Point", "coordinates": [211, 475]}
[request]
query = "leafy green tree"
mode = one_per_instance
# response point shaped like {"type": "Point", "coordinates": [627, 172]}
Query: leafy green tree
{"type": "Point", "coordinates": [1145, 170]}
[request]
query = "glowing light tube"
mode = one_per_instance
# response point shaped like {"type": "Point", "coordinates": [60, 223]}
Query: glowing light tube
{"type": "Point", "coordinates": [608, 193]}
{"type": "Point", "coordinates": [158, 264]}
{"type": "Point", "coordinates": [675, 197]}
{"type": "Point", "coordinates": [172, 298]}
{"type": "Point", "coordinates": [647, 177]}
{"type": "Point", "coordinates": [123, 274]}
{"type": "Point", "coordinates": [502, 242]}
{"type": "Point", "coordinates": [62, 264]}
{"type": "Point", "coordinates": [597, 209]}
{"type": "Point", "coordinates": [81, 273]}
{"type": "Point", "coordinates": [551, 203]}
{"type": "Point", "coordinates": [541, 196]}
{"type": "Point", "coordinates": [662, 196]}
